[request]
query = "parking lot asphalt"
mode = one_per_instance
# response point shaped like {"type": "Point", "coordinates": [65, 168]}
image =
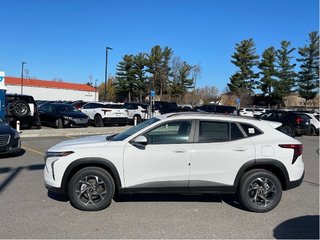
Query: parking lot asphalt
{"type": "Point", "coordinates": [55, 132]}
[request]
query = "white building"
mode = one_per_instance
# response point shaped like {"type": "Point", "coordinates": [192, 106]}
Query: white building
{"type": "Point", "coordinates": [51, 90]}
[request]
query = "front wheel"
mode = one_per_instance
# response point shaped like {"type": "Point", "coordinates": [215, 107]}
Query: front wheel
{"type": "Point", "coordinates": [259, 190]}
{"type": "Point", "coordinates": [287, 130]}
{"type": "Point", "coordinates": [91, 189]}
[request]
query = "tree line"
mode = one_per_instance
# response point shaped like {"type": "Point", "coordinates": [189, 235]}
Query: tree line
{"type": "Point", "coordinates": [276, 74]}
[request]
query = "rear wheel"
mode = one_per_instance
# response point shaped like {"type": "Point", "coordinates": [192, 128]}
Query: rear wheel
{"type": "Point", "coordinates": [91, 189]}
{"type": "Point", "coordinates": [259, 190]}
{"type": "Point", "coordinates": [98, 122]}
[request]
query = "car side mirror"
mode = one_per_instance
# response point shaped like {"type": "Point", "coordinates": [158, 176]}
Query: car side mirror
{"type": "Point", "coordinates": [140, 142]}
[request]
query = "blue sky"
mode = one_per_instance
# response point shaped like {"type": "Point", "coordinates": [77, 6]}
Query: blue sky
{"type": "Point", "coordinates": [67, 39]}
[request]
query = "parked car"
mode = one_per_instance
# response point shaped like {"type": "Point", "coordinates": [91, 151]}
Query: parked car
{"type": "Point", "coordinates": [9, 139]}
{"type": "Point", "coordinates": [165, 107]}
{"type": "Point", "coordinates": [137, 110]}
{"type": "Point", "coordinates": [62, 115]}
{"type": "Point", "coordinates": [218, 109]}
{"type": "Point", "coordinates": [314, 121]}
{"type": "Point", "coordinates": [293, 123]}
{"type": "Point", "coordinates": [22, 108]}
{"type": "Point", "coordinates": [179, 153]}
{"type": "Point", "coordinates": [106, 113]}
{"type": "Point", "coordinates": [246, 112]}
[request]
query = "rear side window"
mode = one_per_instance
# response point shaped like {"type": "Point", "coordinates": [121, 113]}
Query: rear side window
{"type": "Point", "coordinates": [236, 133]}
{"type": "Point", "coordinates": [250, 130]}
{"type": "Point", "coordinates": [213, 131]}
{"type": "Point", "coordinates": [317, 117]}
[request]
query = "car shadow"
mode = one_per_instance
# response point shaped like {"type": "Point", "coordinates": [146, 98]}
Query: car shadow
{"type": "Point", "coordinates": [158, 197]}
{"type": "Point", "coordinates": [305, 227]}
{"type": "Point", "coordinates": [13, 155]}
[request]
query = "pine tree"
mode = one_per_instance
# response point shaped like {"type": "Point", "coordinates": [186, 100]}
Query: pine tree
{"type": "Point", "coordinates": [308, 78]}
{"type": "Point", "coordinates": [285, 72]}
{"type": "Point", "coordinates": [268, 72]}
{"type": "Point", "coordinates": [243, 81]}
{"type": "Point", "coordinates": [158, 66]}
{"type": "Point", "coordinates": [126, 81]}
{"type": "Point", "coordinates": [139, 67]}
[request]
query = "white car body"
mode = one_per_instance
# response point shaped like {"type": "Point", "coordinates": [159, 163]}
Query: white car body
{"type": "Point", "coordinates": [185, 165]}
{"type": "Point", "coordinates": [108, 112]}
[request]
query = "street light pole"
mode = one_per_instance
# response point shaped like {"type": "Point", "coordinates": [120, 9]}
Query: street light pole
{"type": "Point", "coordinates": [106, 74]}
{"type": "Point", "coordinates": [22, 65]}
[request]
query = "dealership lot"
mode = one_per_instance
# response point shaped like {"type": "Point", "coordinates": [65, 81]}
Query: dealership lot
{"type": "Point", "coordinates": [27, 211]}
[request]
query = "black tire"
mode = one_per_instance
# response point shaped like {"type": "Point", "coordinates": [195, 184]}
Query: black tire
{"type": "Point", "coordinates": [286, 129]}
{"type": "Point", "coordinates": [98, 122]}
{"type": "Point", "coordinates": [259, 190]}
{"type": "Point", "coordinates": [20, 108]}
{"type": "Point", "coordinates": [91, 189]}
{"type": "Point", "coordinates": [313, 131]}
{"type": "Point", "coordinates": [59, 123]}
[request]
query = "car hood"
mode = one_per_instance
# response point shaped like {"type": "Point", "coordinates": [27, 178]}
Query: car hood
{"type": "Point", "coordinates": [74, 114]}
{"type": "Point", "coordinates": [82, 142]}
{"type": "Point", "coordinates": [5, 128]}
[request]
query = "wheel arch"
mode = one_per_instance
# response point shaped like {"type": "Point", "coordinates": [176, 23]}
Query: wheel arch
{"type": "Point", "coordinates": [272, 165]}
{"type": "Point", "coordinates": [79, 164]}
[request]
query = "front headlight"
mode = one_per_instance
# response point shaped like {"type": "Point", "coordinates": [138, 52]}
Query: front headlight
{"type": "Point", "coordinates": [57, 154]}
{"type": "Point", "coordinates": [68, 118]}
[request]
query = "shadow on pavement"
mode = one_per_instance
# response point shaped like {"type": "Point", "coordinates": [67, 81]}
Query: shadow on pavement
{"type": "Point", "coordinates": [13, 172]}
{"type": "Point", "coordinates": [305, 227]}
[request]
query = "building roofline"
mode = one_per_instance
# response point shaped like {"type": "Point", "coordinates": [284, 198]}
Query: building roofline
{"type": "Point", "coordinates": [48, 84]}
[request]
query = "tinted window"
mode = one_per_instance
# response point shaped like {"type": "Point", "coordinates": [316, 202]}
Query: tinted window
{"type": "Point", "coordinates": [213, 131]}
{"type": "Point", "coordinates": [250, 130]}
{"type": "Point", "coordinates": [236, 132]}
{"type": "Point", "coordinates": [114, 106]}
{"type": "Point", "coordinates": [317, 117]}
{"type": "Point", "coordinates": [170, 133]}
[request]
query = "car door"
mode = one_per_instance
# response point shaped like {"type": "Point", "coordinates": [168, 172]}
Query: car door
{"type": "Point", "coordinates": [164, 161]}
{"type": "Point", "coordinates": [219, 151]}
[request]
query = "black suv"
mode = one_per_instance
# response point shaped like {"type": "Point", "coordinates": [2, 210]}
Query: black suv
{"type": "Point", "coordinates": [218, 108]}
{"type": "Point", "coordinates": [165, 107]}
{"type": "Point", "coordinates": [22, 108]}
{"type": "Point", "coordinates": [293, 123]}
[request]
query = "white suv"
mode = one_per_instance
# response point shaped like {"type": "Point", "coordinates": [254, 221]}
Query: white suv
{"type": "Point", "coordinates": [137, 110]}
{"type": "Point", "coordinates": [101, 113]}
{"type": "Point", "coordinates": [179, 153]}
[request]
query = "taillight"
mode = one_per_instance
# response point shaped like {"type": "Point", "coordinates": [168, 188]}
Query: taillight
{"type": "Point", "coordinates": [299, 120]}
{"type": "Point", "coordinates": [105, 110]}
{"type": "Point", "coordinates": [297, 150]}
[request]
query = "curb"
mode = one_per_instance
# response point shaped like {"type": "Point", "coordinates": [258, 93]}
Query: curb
{"type": "Point", "coordinates": [52, 132]}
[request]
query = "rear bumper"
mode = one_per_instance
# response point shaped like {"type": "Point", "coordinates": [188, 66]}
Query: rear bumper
{"type": "Point", "coordinates": [115, 120]}
{"type": "Point", "coordinates": [294, 184]}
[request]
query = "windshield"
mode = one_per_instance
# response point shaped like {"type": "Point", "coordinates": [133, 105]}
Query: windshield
{"type": "Point", "coordinates": [133, 130]}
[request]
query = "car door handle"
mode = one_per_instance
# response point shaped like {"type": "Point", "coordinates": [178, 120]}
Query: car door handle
{"type": "Point", "coordinates": [179, 151]}
{"type": "Point", "coordinates": [240, 149]}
